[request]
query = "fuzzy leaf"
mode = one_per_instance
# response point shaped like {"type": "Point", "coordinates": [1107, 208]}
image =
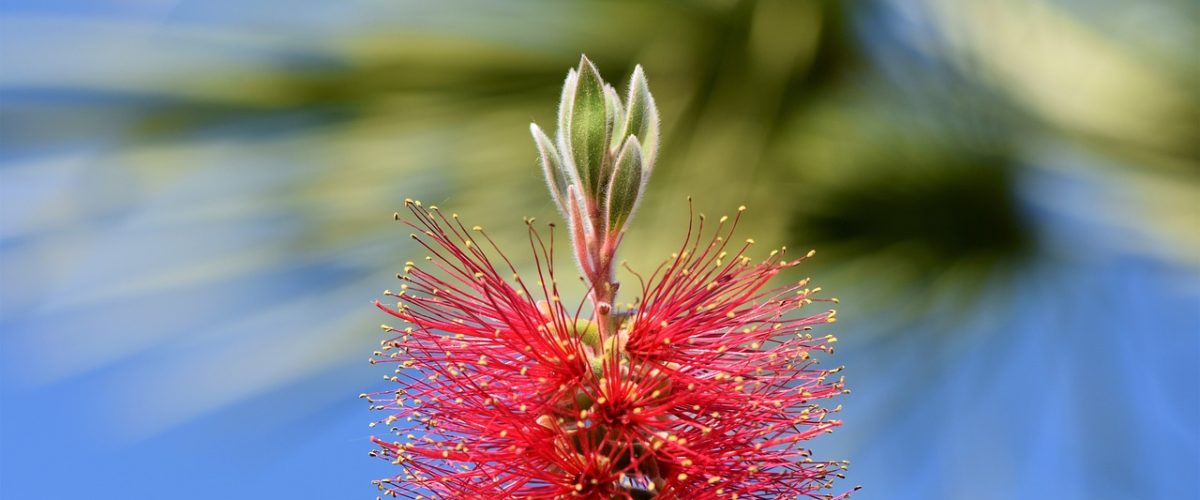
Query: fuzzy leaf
{"type": "Point", "coordinates": [615, 111]}
{"type": "Point", "coordinates": [626, 185]}
{"type": "Point", "coordinates": [588, 132]}
{"type": "Point", "coordinates": [641, 119]}
{"type": "Point", "coordinates": [565, 104]}
{"type": "Point", "coordinates": [557, 177]}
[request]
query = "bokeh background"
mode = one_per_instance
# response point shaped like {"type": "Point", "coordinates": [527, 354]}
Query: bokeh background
{"type": "Point", "coordinates": [196, 200]}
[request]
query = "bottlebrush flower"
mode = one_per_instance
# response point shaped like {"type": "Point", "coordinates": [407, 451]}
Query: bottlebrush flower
{"type": "Point", "coordinates": [705, 388]}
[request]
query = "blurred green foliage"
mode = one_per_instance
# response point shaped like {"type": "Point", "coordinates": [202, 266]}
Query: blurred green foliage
{"type": "Point", "coordinates": [767, 100]}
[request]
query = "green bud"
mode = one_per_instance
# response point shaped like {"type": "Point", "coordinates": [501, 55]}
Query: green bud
{"type": "Point", "coordinates": [614, 346]}
{"type": "Point", "coordinates": [582, 400]}
{"type": "Point", "coordinates": [597, 363]}
{"type": "Point", "coordinates": [587, 332]}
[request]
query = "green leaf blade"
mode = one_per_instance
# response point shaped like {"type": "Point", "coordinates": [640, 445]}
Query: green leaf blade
{"type": "Point", "coordinates": [641, 116]}
{"type": "Point", "coordinates": [557, 176]}
{"type": "Point", "coordinates": [588, 132]}
{"type": "Point", "coordinates": [625, 188]}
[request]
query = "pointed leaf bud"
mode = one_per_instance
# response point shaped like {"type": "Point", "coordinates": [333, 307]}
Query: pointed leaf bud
{"type": "Point", "coordinates": [615, 111]}
{"type": "Point", "coordinates": [557, 177]}
{"type": "Point", "coordinates": [642, 117]}
{"type": "Point", "coordinates": [626, 186]}
{"type": "Point", "coordinates": [588, 132]}
{"type": "Point", "coordinates": [565, 104]}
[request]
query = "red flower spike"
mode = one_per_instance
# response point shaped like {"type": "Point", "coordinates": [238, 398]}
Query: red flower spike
{"type": "Point", "coordinates": [704, 389]}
